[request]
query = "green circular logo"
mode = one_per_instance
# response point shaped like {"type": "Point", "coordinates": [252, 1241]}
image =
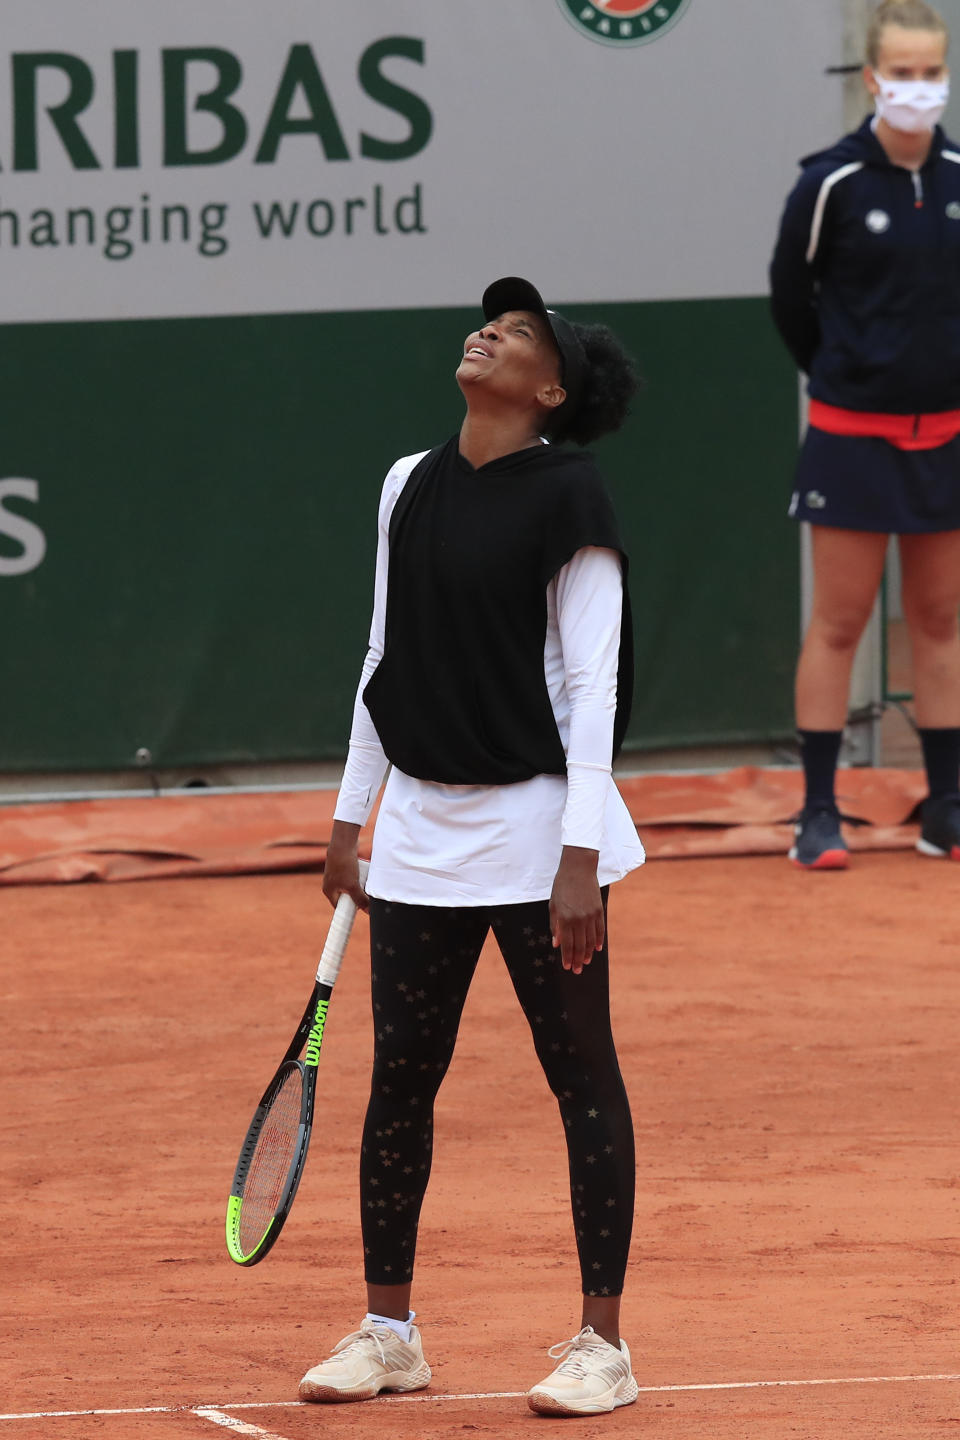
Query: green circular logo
{"type": "Point", "coordinates": [623, 22]}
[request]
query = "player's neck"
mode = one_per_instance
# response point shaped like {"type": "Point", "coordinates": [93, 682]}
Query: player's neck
{"type": "Point", "coordinates": [904, 149]}
{"type": "Point", "coordinates": [485, 436]}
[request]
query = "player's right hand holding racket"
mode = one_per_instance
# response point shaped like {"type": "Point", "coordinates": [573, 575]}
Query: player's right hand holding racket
{"type": "Point", "coordinates": [274, 1151]}
{"type": "Point", "coordinates": [343, 873]}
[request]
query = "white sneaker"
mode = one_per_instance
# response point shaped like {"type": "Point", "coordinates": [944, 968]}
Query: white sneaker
{"type": "Point", "coordinates": [372, 1359]}
{"type": "Point", "coordinates": [592, 1378]}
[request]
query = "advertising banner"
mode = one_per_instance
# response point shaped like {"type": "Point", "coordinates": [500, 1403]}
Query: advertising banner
{"type": "Point", "coordinates": [204, 159]}
{"type": "Point", "coordinates": [239, 248]}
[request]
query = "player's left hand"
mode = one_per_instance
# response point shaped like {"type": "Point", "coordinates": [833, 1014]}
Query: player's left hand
{"type": "Point", "coordinates": [576, 909]}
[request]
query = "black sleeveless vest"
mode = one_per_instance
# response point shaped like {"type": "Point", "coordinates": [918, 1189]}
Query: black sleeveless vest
{"type": "Point", "coordinates": [460, 695]}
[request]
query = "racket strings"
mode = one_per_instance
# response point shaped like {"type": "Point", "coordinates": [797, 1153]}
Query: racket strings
{"type": "Point", "coordinates": [273, 1153]}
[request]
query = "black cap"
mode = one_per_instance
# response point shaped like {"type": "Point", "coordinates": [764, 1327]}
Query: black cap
{"type": "Point", "coordinates": [512, 293]}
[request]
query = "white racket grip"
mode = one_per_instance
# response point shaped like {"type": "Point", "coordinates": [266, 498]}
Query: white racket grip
{"type": "Point", "coordinates": [338, 935]}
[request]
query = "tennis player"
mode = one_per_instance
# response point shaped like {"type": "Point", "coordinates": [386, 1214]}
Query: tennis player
{"type": "Point", "coordinates": [497, 684]}
{"type": "Point", "coordinates": [866, 294]}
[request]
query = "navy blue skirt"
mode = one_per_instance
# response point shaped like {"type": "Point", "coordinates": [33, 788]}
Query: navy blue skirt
{"type": "Point", "coordinates": [858, 482]}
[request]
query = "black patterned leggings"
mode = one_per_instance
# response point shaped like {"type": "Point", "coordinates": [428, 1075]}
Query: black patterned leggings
{"type": "Point", "coordinates": [424, 958]}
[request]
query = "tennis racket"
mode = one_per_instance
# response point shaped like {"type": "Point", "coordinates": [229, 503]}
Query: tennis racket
{"type": "Point", "coordinates": [273, 1154]}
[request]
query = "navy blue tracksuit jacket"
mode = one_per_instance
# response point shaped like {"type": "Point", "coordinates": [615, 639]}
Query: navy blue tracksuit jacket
{"type": "Point", "coordinates": [865, 278]}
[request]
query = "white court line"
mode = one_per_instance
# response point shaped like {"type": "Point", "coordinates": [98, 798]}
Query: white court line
{"type": "Point", "coordinates": [671, 1389]}
{"type": "Point", "coordinates": [81, 1414]}
{"type": "Point", "coordinates": [479, 1395]}
{"type": "Point", "coordinates": [772, 1384]}
{"type": "Point", "coordinates": [239, 1427]}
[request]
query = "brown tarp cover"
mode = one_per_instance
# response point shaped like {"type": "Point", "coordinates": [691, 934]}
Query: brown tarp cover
{"type": "Point", "coordinates": [737, 812]}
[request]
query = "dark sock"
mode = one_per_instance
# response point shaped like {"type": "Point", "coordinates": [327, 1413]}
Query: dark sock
{"type": "Point", "coordinates": [819, 752]}
{"type": "Point", "coordinates": [941, 757]}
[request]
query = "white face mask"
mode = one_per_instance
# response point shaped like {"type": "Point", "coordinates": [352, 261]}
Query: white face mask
{"type": "Point", "coordinates": [911, 105]}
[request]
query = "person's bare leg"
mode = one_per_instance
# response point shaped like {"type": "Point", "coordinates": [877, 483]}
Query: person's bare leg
{"type": "Point", "coordinates": [603, 1313]}
{"type": "Point", "coordinates": [848, 567]}
{"type": "Point", "coordinates": [930, 567]}
{"type": "Point", "coordinates": [391, 1301]}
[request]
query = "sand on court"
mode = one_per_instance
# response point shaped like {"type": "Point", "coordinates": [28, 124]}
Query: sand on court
{"type": "Point", "coordinates": [789, 1043]}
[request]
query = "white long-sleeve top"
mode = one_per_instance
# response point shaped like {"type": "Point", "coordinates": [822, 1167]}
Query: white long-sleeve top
{"type": "Point", "coordinates": [500, 844]}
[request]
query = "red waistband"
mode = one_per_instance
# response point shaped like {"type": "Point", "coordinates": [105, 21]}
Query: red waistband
{"type": "Point", "coordinates": [906, 432]}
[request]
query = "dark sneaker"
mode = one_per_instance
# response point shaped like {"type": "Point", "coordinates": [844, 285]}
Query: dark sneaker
{"type": "Point", "coordinates": [940, 827]}
{"type": "Point", "coordinates": [819, 844]}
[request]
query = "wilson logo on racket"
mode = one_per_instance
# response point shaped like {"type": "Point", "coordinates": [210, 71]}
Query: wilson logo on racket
{"type": "Point", "coordinates": [623, 22]}
{"type": "Point", "coordinates": [315, 1038]}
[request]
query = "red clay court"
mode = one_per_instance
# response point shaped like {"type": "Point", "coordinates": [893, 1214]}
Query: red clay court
{"type": "Point", "coordinates": [789, 1043]}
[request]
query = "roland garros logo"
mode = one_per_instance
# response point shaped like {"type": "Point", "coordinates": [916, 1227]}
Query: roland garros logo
{"type": "Point", "coordinates": [623, 22]}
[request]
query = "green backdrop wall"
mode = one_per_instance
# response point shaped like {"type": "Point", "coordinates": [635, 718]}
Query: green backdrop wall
{"type": "Point", "coordinates": [207, 490]}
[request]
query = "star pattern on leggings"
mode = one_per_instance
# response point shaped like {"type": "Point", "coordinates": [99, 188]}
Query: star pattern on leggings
{"type": "Point", "coordinates": [414, 1049]}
